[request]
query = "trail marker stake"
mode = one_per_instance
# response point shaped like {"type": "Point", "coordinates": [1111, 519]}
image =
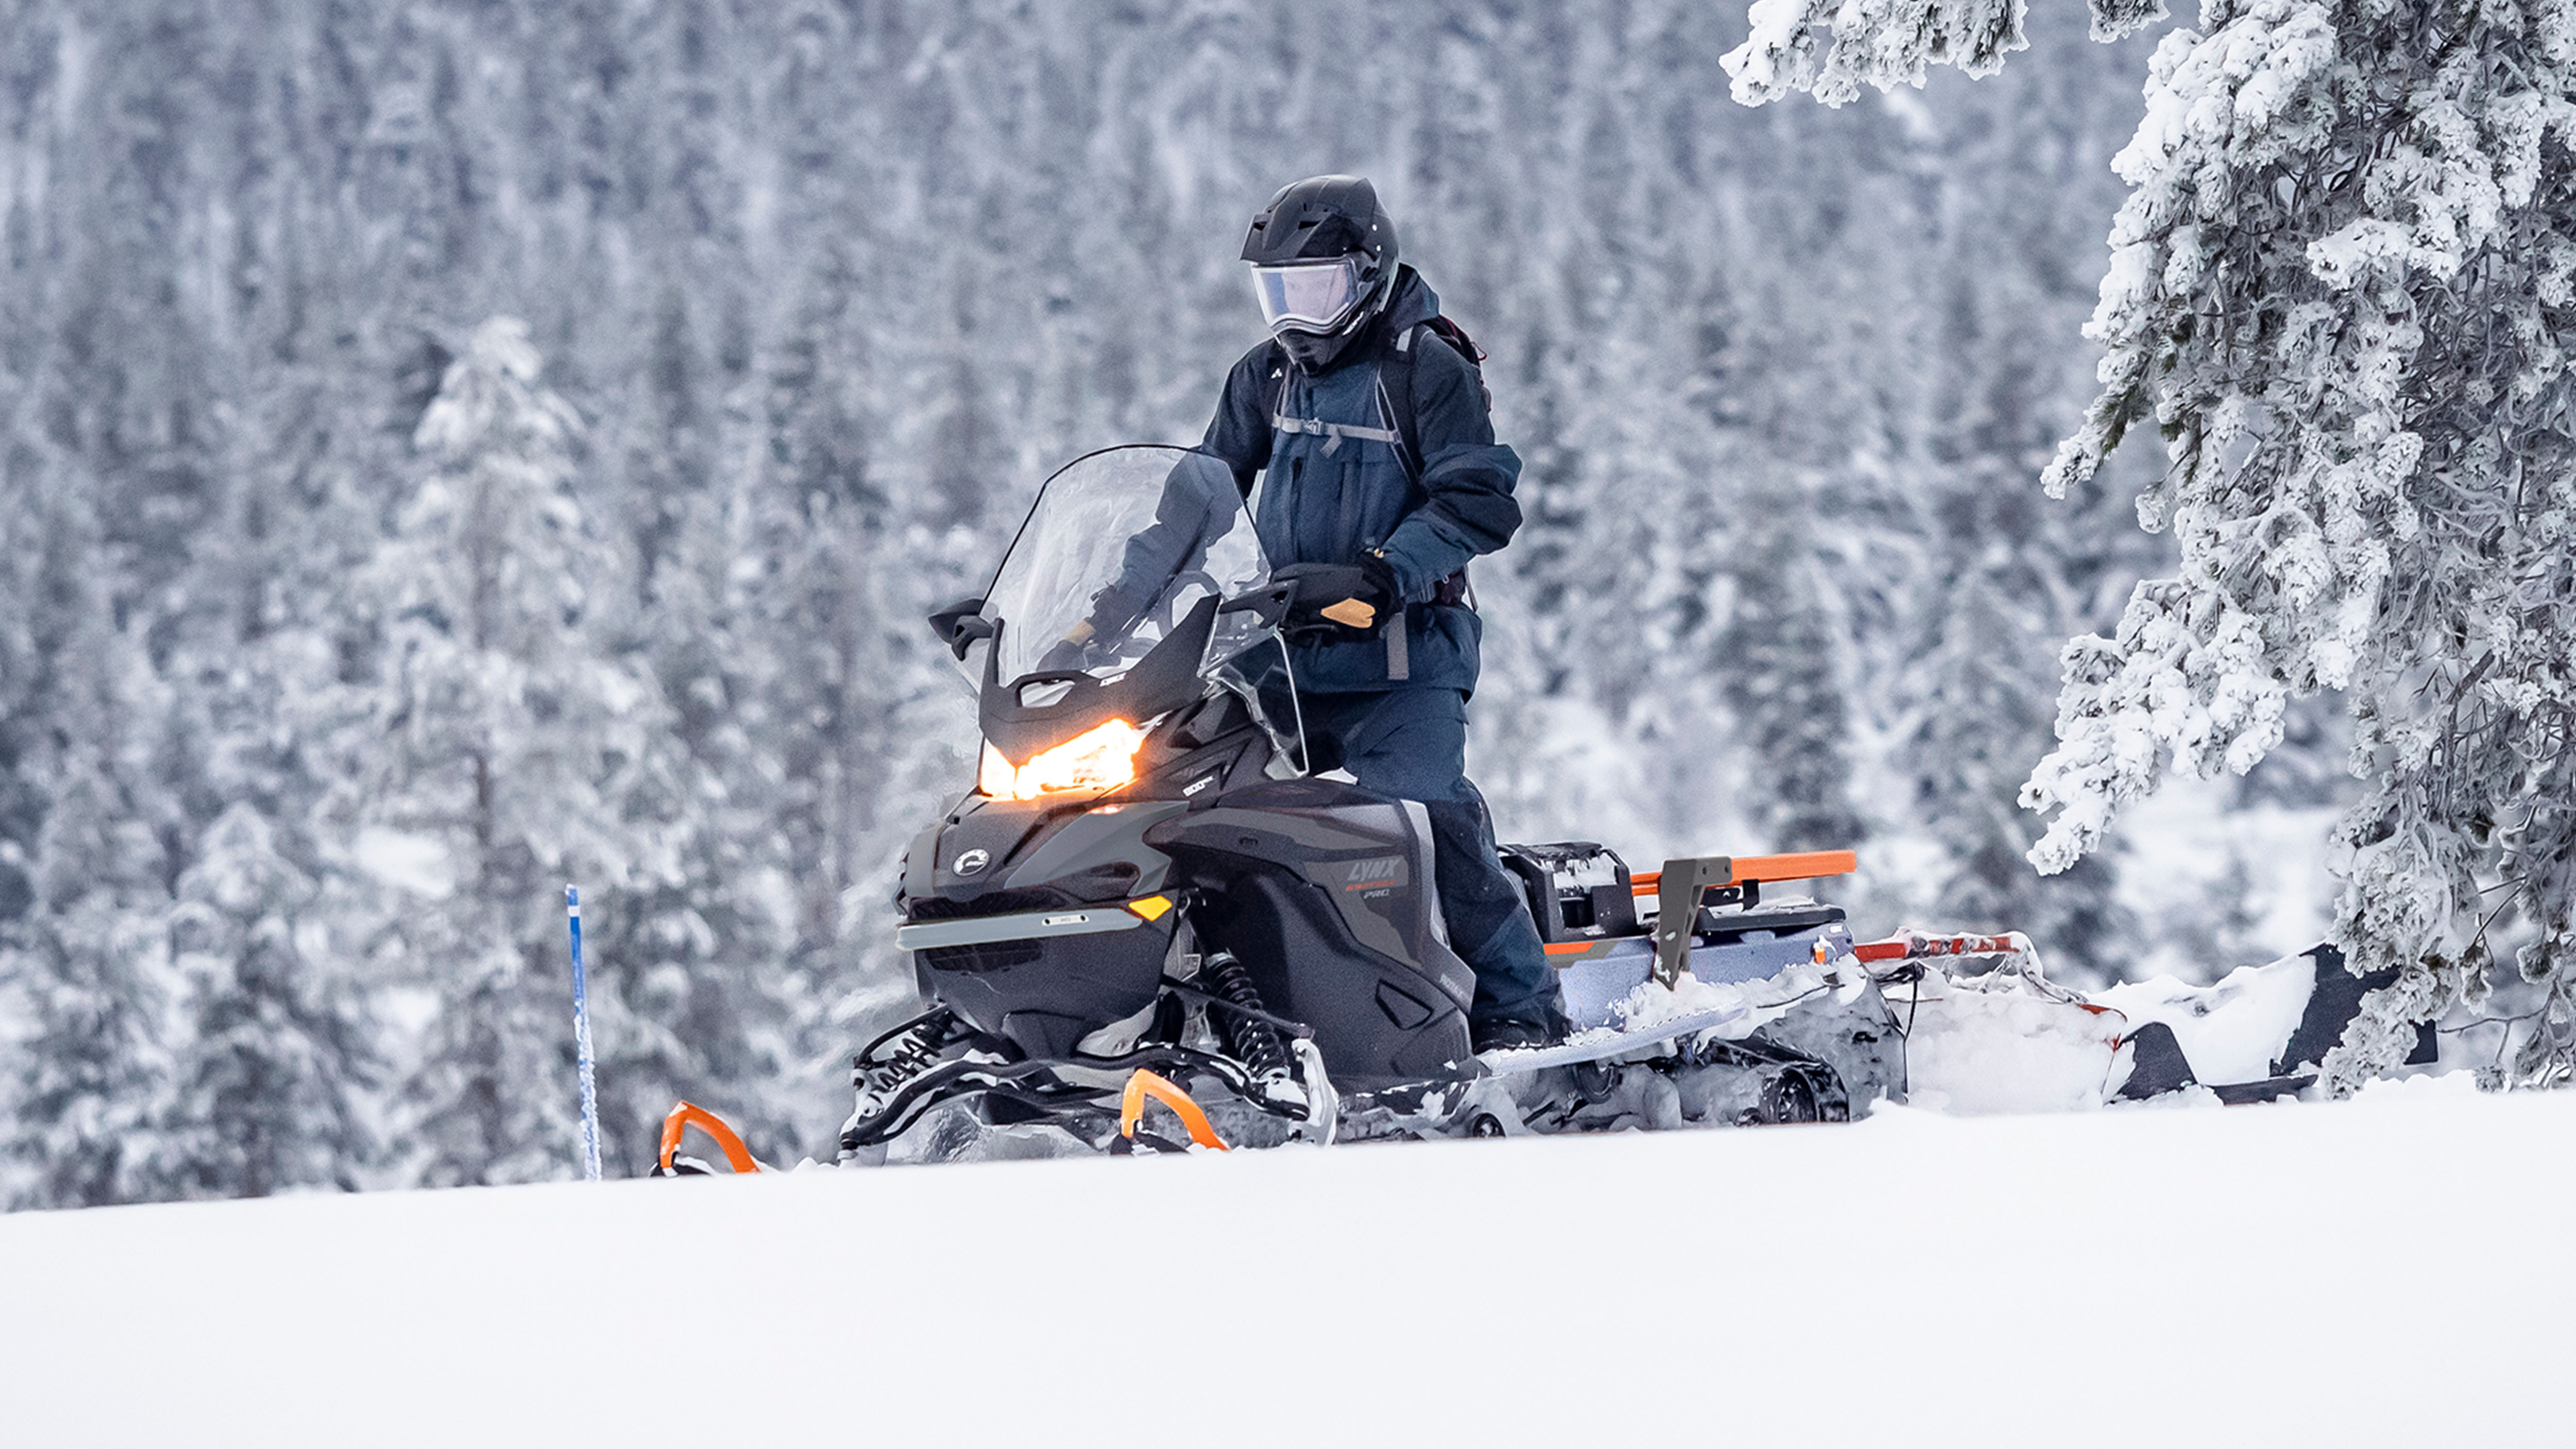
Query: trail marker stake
{"type": "Point", "coordinates": [581, 1041]}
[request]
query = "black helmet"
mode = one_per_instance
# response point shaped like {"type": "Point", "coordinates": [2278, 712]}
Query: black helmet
{"type": "Point", "coordinates": [1323, 262]}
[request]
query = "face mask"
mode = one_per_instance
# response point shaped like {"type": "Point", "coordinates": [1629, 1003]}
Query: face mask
{"type": "Point", "coordinates": [1312, 352]}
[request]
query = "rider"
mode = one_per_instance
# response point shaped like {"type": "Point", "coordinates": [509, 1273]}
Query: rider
{"type": "Point", "coordinates": [1382, 479]}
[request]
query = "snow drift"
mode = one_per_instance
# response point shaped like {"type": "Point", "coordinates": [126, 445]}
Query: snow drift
{"type": "Point", "coordinates": [2137, 1275]}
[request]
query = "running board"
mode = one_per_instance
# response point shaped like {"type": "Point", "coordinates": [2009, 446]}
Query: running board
{"type": "Point", "coordinates": [1574, 1053]}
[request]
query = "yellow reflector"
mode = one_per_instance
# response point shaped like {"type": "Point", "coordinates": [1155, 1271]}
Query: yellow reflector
{"type": "Point", "coordinates": [1151, 907]}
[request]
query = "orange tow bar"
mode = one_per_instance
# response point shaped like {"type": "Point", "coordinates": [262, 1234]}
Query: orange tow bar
{"type": "Point", "coordinates": [1131, 1108]}
{"type": "Point", "coordinates": [685, 1115]}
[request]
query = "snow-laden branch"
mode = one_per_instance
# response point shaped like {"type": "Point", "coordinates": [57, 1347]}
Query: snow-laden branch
{"type": "Point", "coordinates": [1885, 43]}
{"type": "Point", "coordinates": [1830, 48]}
{"type": "Point", "coordinates": [2340, 288]}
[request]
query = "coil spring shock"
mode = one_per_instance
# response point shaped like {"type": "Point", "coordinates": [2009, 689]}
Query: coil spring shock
{"type": "Point", "coordinates": [909, 1050]}
{"type": "Point", "coordinates": [1253, 1041]}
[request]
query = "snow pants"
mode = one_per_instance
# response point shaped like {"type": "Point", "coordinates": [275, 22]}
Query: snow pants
{"type": "Point", "coordinates": [1412, 744]}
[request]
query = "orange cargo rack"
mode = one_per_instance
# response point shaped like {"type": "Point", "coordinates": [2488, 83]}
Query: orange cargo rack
{"type": "Point", "coordinates": [1797, 865]}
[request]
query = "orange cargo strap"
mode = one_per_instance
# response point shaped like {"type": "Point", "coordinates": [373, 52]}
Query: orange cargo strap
{"type": "Point", "coordinates": [1913, 946]}
{"type": "Point", "coordinates": [1799, 865]}
{"type": "Point", "coordinates": [685, 1115]}
{"type": "Point", "coordinates": [1131, 1108]}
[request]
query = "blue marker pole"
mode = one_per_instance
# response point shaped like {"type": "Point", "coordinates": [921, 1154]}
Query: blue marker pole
{"type": "Point", "coordinates": [581, 1041]}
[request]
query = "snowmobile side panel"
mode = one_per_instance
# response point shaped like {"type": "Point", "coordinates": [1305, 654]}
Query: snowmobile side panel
{"type": "Point", "coordinates": [1372, 854]}
{"type": "Point", "coordinates": [1324, 893]}
{"type": "Point", "coordinates": [1376, 1018]}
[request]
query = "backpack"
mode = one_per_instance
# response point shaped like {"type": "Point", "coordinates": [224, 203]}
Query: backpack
{"type": "Point", "coordinates": [1401, 359]}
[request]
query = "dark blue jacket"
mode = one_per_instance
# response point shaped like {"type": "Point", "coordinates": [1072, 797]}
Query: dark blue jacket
{"type": "Point", "coordinates": [1338, 481]}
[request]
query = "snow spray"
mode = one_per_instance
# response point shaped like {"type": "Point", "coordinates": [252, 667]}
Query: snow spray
{"type": "Point", "coordinates": [581, 1041]}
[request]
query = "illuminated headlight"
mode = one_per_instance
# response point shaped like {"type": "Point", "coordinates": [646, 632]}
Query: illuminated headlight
{"type": "Point", "coordinates": [1099, 759]}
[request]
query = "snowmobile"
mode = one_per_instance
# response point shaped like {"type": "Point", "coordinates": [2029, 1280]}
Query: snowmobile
{"type": "Point", "coordinates": [1159, 893]}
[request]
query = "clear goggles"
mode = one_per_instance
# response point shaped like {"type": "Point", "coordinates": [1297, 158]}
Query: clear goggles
{"type": "Point", "coordinates": [1308, 296]}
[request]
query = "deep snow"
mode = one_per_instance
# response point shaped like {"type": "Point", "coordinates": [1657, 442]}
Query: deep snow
{"type": "Point", "coordinates": [2258, 1276]}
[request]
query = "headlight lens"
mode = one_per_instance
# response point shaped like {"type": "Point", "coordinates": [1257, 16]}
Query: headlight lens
{"type": "Point", "coordinates": [1099, 759]}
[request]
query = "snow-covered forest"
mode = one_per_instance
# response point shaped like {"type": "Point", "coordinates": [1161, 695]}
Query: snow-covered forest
{"type": "Point", "coordinates": [452, 449]}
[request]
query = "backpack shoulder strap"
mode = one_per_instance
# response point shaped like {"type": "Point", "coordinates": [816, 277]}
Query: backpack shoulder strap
{"type": "Point", "coordinates": [1399, 359]}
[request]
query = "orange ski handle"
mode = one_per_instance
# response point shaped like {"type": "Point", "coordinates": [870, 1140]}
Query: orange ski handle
{"type": "Point", "coordinates": [1800, 865]}
{"type": "Point", "coordinates": [1131, 1108]}
{"type": "Point", "coordinates": [685, 1115]}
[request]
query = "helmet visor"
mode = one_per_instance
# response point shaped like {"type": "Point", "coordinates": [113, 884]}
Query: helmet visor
{"type": "Point", "coordinates": [1308, 296]}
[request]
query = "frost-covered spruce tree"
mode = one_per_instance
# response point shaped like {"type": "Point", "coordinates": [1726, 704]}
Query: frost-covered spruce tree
{"type": "Point", "coordinates": [512, 748]}
{"type": "Point", "coordinates": [2339, 288]}
{"type": "Point", "coordinates": [1779, 655]}
{"type": "Point", "coordinates": [275, 1057]}
{"type": "Point", "coordinates": [87, 964]}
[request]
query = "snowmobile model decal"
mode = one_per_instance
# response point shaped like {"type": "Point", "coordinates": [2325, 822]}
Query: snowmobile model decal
{"type": "Point", "coordinates": [1376, 872]}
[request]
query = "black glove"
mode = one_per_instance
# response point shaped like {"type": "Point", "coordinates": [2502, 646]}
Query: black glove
{"type": "Point", "coordinates": [1338, 588]}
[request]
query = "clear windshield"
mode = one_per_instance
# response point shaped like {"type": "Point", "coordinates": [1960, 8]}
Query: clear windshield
{"type": "Point", "coordinates": [1120, 547]}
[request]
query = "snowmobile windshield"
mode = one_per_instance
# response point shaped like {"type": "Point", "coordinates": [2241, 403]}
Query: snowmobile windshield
{"type": "Point", "coordinates": [1121, 546]}
{"type": "Point", "coordinates": [1308, 296]}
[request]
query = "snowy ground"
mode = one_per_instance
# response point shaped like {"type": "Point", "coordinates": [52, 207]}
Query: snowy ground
{"type": "Point", "coordinates": [2386, 1271]}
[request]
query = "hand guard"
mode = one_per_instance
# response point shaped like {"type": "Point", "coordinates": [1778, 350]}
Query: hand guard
{"type": "Point", "coordinates": [1349, 599]}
